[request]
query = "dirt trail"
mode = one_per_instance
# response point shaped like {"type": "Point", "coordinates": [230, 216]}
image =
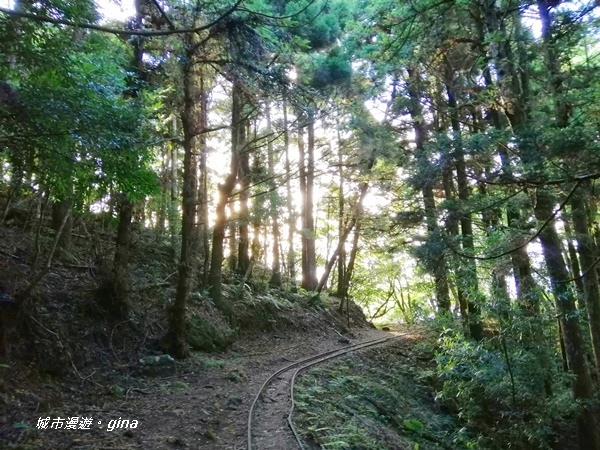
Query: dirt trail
{"type": "Point", "coordinates": [270, 427]}
{"type": "Point", "coordinates": [268, 418]}
{"type": "Point", "coordinates": [208, 408]}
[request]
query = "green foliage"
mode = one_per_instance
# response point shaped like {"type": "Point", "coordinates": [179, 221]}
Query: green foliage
{"type": "Point", "coordinates": [181, 385]}
{"type": "Point", "coordinates": [360, 402]}
{"type": "Point", "coordinates": [237, 376]}
{"type": "Point", "coordinates": [72, 122]}
{"type": "Point", "coordinates": [413, 425]}
{"type": "Point", "coordinates": [381, 284]}
{"type": "Point", "coordinates": [258, 310]}
{"type": "Point", "coordinates": [204, 336]}
{"type": "Point", "coordinates": [118, 391]}
{"type": "Point", "coordinates": [327, 20]}
{"type": "Point", "coordinates": [211, 434]}
{"type": "Point", "coordinates": [211, 363]}
{"type": "Point", "coordinates": [329, 69]}
{"type": "Point", "coordinates": [27, 430]}
{"type": "Point", "coordinates": [477, 383]}
{"type": "Point", "coordinates": [76, 124]}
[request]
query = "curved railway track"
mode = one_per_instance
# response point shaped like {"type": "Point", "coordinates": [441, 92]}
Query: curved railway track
{"type": "Point", "coordinates": [281, 384]}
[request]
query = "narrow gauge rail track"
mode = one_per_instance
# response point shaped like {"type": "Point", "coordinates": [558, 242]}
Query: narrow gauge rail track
{"type": "Point", "coordinates": [301, 365]}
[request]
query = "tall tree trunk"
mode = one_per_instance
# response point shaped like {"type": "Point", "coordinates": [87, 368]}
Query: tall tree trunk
{"type": "Point", "coordinates": [341, 267]}
{"type": "Point", "coordinates": [526, 287]}
{"type": "Point", "coordinates": [161, 208]}
{"type": "Point", "coordinates": [233, 237]}
{"type": "Point", "coordinates": [120, 283]}
{"type": "Point", "coordinates": [310, 278]}
{"type": "Point", "coordinates": [202, 219]}
{"type": "Point", "coordinates": [574, 259]}
{"type": "Point", "coordinates": [173, 203]}
{"type": "Point", "coordinates": [192, 130]}
{"type": "Point", "coordinates": [273, 203]}
{"type": "Point", "coordinates": [591, 288]}
{"type": "Point", "coordinates": [512, 91]}
{"type": "Point", "coordinates": [469, 274]}
{"type": "Point", "coordinates": [257, 219]}
{"type": "Point", "coordinates": [436, 262]}
{"type": "Point", "coordinates": [564, 295]}
{"type": "Point", "coordinates": [302, 176]}
{"type": "Point", "coordinates": [499, 286]}
{"type": "Point", "coordinates": [335, 256]}
{"type": "Point", "coordinates": [291, 256]}
{"type": "Point", "coordinates": [60, 210]}
{"type": "Point", "coordinates": [349, 270]}
{"type": "Point", "coordinates": [452, 229]}
{"type": "Point", "coordinates": [592, 209]}
{"type": "Point", "coordinates": [225, 190]}
{"type": "Point", "coordinates": [589, 432]}
{"type": "Point", "coordinates": [115, 292]}
{"type": "Point", "coordinates": [351, 261]}
{"type": "Point", "coordinates": [243, 259]}
{"type": "Point", "coordinates": [342, 241]}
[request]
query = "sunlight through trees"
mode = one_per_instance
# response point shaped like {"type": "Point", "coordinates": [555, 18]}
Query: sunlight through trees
{"type": "Point", "coordinates": [429, 160]}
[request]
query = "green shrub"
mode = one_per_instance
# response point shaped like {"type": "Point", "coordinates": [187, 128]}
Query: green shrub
{"type": "Point", "coordinates": [204, 336]}
{"type": "Point", "coordinates": [499, 387]}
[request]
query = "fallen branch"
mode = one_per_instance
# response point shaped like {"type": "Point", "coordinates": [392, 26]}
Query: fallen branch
{"type": "Point", "coordinates": [21, 296]}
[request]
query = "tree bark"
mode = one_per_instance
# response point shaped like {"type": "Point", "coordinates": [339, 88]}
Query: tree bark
{"type": "Point", "coordinates": [353, 225]}
{"type": "Point", "coordinates": [452, 229]}
{"type": "Point", "coordinates": [341, 267]}
{"type": "Point", "coordinates": [587, 421]}
{"type": "Point", "coordinates": [591, 288]}
{"type": "Point", "coordinates": [161, 213]}
{"type": "Point", "coordinates": [573, 258]}
{"type": "Point", "coordinates": [225, 190]}
{"type": "Point", "coordinates": [243, 259]}
{"type": "Point", "coordinates": [351, 262]}
{"type": "Point", "coordinates": [291, 256]}
{"type": "Point", "coordinates": [310, 279]}
{"type": "Point", "coordinates": [116, 299]}
{"type": "Point", "coordinates": [469, 273]}
{"type": "Point", "coordinates": [192, 128]}
{"type": "Point", "coordinates": [60, 210]}
{"type": "Point", "coordinates": [273, 203]}
{"type": "Point", "coordinates": [172, 212]}
{"type": "Point", "coordinates": [233, 236]}
{"type": "Point", "coordinates": [202, 219]}
{"type": "Point", "coordinates": [335, 256]}
{"type": "Point", "coordinates": [306, 161]}
{"type": "Point", "coordinates": [256, 250]}
{"type": "Point", "coordinates": [437, 262]}
{"type": "Point", "coordinates": [564, 295]}
{"type": "Point", "coordinates": [302, 176]}
{"type": "Point", "coordinates": [526, 287]}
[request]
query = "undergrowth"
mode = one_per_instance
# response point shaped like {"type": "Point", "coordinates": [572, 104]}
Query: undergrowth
{"type": "Point", "coordinates": [204, 336]}
{"type": "Point", "coordinates": [375, 400]}
{"type": "Point", "coordinates": [505, 393]}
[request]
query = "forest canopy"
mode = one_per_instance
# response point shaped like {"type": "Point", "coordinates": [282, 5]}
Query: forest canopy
{"type": "Point", "coordinates": [428, 160]}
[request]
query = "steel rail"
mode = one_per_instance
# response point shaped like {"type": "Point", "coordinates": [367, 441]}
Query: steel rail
{"type": "Point", "coordinates": [304, 364]}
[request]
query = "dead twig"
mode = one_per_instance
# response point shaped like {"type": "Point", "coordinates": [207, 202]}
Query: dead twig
{"type": "Point", "coordinates": [112, 333]}
{"type": "Point", "coordinates": [49, 331]}
{"type": "Point", "coordinates": [21, 296]}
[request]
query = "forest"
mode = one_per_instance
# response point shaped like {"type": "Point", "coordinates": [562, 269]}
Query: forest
{"type": "Point", "coordinates": [190, 171]}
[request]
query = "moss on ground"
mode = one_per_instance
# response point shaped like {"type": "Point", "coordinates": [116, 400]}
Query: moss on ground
{"type": "Point", "coordinates": [204, 336]}
{"type": "Point", "coordinates": [374, 400]}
